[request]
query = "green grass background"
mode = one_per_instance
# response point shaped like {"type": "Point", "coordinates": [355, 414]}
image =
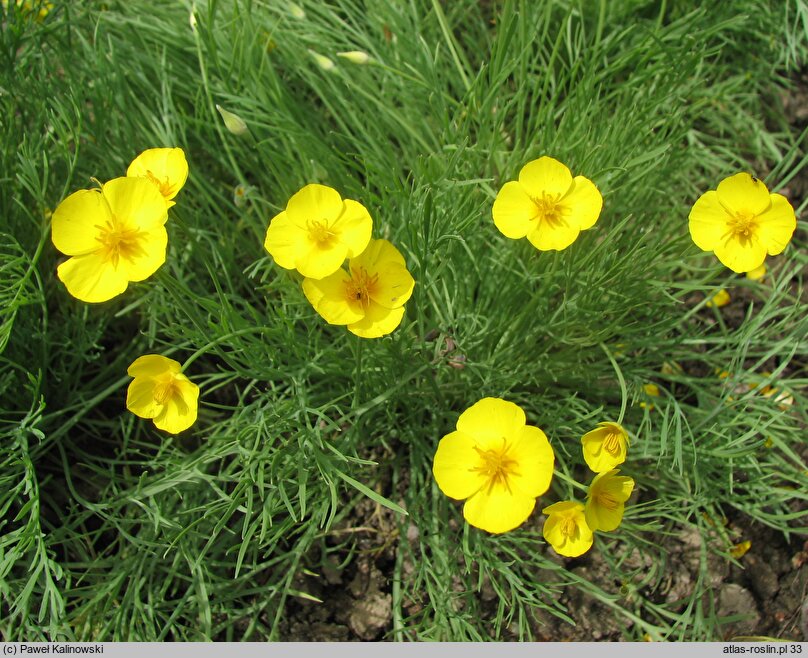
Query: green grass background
{"type": "Point", "coordinates": [112, 530]}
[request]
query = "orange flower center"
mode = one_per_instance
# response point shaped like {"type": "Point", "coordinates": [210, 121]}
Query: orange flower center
{"type": "Point", "coordinates": [742, 226]}
{"type": "Point", "coordinates": [118, 241]}
{"type": "Point", "coordinates": [612, 443]}
{"type": "Point", "coordinates": [569, 528]}
{"type": "Point", "coordinates": [605, 499]}
{"type": "Point", "coordinates": [165, 390]}
{"type": "Point", "coordinates": [320, 234]}
{"type": "Point", "coordinates": [496, 466]}
{"type": "Point", "coordinates": [164, 185]}
{"type": "Point", "coordinates": [360, 286]}
{"type": "Point", "coordinates": [548, 208]}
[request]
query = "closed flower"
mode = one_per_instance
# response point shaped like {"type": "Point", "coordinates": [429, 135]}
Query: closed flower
{"type": "Point", "coordinates": [606, 500]}
{"type": "Point", "coordinates": [167, 168]}
{"type": "Point", "coordinates": [605, 447]}
{"type": "Point", "coordinates": [566, 529]}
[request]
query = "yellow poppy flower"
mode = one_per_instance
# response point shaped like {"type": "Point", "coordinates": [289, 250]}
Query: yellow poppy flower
{"type": "Point", "coordinates": [605, 447]}
{"type": "Point", "coordinates": [606, 500]}
{"type": "Point", "coordinates": [719, 299]}
{"type": "Point", "coordinates": [566, 530]}
{"type": "Point", "coordinates": [741, 222]}
{"type": "Point", "coordinates": [496, 462]}
{"type": "Point", "coordinates": [547, 205]}
{"type": "Point", "coordinates": [115, 235]}
{"type": "Point", "coordinates": [370, 297]}
{"type": "Point", "coordinates": [165, 167]}
{"type": "Point", "coordinates": [161, 392]}
{"type": "Point", "coordinates": [757, 274]}
{"type": "Point", "coordinates": [741, 549]}
{"type": "Point", "coordinates": [318, 231]}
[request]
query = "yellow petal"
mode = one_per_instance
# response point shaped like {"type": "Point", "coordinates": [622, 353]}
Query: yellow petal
{"type": "Point", "coordinates": [151, 256]}
{"type": "Point", "coordinates": [378, 321]}
{"type": "Point", "coordinates": [741, 255]}
{"type": "Point", "coordinates": [512, 211]}
{"type": "Point", "coordinates": [719, 299]}
{"type": "Point", "coordinates": [354, 227]}
{"type": "Point", "coordinates": [394, 286]}
{"type": "Point", "coordinates": [708, 221]}
{"type": "Point", "coordinates": [76, 220]}
{"type": "Point", "coordinates": [534, 458]}
{"type": "Point", "coordinates": [545, 176]}
{"type": "Point", "coordinates": [603, 518]}
{"type": "Point", "coordinates": [377, 255]}
{"type": "Point", "coordinates": [165, 167]}
{"type": "Point", "coordinates": [495, 509]}
{"type": "Point", "coordinates": [776, 225]}
{"type": "Point", "coordinates": [152, 365]}
{"type": "Point", "coordinates": [140, 398]}
{"type": "Point", "coordinates": [490, 419]}
{"type": "Point", "coordinates": [315, 203]}
{"type": "Point", "coordinates": [90, 278]}
{"type": "Point", "coordinates": [743, 194]}
{"type": "Point", "coordinates": [558, 234]}
{"type": "Point", "coordinates": [457, 465]}
{"type": "Point", "coordinates": [179, 411]}
{"type": "Point", "coordinates": [319, 261]}
{"type": "Point", "coordinates": [757, 274]}
{"type": "Point", "coordinates": [328, 297]}
{"type": "Point", "coordinates": [583, 203]}
{"type": "Point", "coordinates": [285, 240]}
{"type": "Point", "coordinates": [136, 203]}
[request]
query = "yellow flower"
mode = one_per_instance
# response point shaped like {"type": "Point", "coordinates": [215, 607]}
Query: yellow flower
{"type": "Point", "coordinates": [370, 297]}
{"type": "Point", "coordinates": [605, 447]}
{"type": "Point", "coordinates": [318, 231]}
{"type": "Point", "coordinates": [547, 205]}
{"type": "Point", "coordinates": [606, 500]}
{"type": "Point", "coordinates": [651, 390]}
{"type": "Point", "coordinates": [741, 549]}
{"type": "Point", "coordinates": [757, 274]}
{"type": "Point", "coordinates": [719, 299]}
{"type": "Point", "coordinates": [115, 235]}
{"type": "Point", "coordinates": [167, 168]}
{"type": "Point", "coordinates": [566, 530]}
{"type": "Point", "coordinates": [161, 392]}
{"type": "Point", "coordinates": [741, 222]}
{"type": "Point", "coordinates": [26, 7]}
{"type": "Point", "coordinates": [496, 462]}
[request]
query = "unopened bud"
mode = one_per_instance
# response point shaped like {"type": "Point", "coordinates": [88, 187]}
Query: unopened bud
{"type": "Point", "coordinates": [355, 56]}
{"type": "Point", "coordinates": [296, 11]}
{"type": "Point", "coordinates": [322, 61]}
{"type": "Point", "coordinates": [233, 122]}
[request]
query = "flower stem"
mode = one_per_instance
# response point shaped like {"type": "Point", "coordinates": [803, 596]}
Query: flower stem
{"type": "Point", "coordinates": [621, 381]}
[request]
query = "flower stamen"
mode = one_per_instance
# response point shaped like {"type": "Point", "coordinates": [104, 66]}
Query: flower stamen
{"type": "Point", "coordinates": [497, 467]}
{"type": "Point", "coordinates": [119, 241]}
{"type": "Point", "coordinates": [320, 233]}
{"type": "Point", "coordinates": [548, 208]}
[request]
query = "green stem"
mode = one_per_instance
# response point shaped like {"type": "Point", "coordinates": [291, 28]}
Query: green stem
{"type": "Point", "coordinates": [621, 380]}
{"type": "Point", "coordinates": [213, 343]}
